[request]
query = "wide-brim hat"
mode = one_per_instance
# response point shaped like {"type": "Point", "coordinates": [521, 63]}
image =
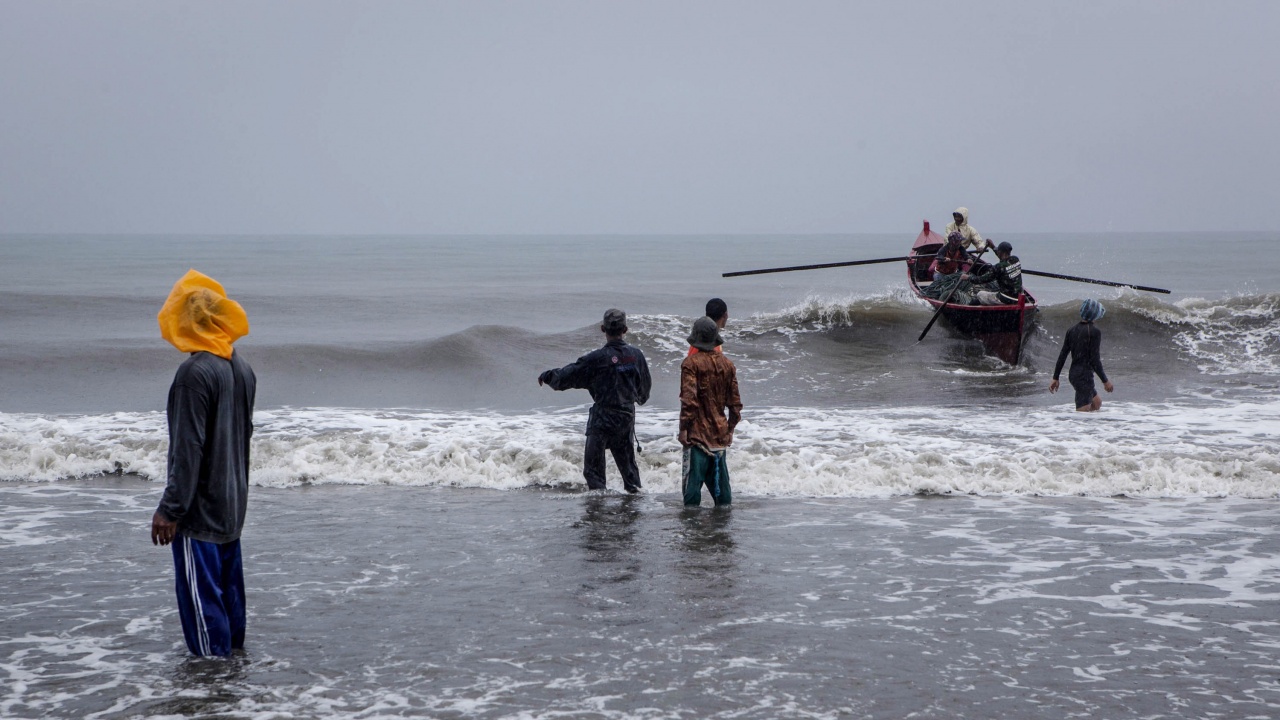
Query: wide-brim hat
{"type": "Point", "coordinates": [705, 335]}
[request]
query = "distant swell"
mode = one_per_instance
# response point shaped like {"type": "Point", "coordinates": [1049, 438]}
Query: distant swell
{"type": "Point", "coordinates": [1160, 450]}
{"type": "Point", "coordinates": [1222, 337]}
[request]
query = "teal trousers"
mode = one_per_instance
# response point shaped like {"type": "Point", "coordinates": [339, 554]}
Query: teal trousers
{"type": "Point", "coordinates": [703, 467]}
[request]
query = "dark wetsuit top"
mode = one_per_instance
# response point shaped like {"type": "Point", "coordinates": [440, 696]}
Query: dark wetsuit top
{"type": "Point", "coordinates": [1084, 343]}
{"type": "Point", "coordinates": [617, 377]}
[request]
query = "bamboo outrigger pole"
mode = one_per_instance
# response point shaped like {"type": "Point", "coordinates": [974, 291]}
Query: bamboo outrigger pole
{"type": "Point", "coordinates": [812, 267]}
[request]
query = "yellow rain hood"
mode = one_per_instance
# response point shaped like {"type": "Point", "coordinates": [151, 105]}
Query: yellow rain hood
{"type": "Point", "coordinates": [198, 316]}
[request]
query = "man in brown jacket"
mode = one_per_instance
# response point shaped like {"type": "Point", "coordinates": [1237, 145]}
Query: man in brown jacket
{"type": "Point", "coordinates": [708, 387]}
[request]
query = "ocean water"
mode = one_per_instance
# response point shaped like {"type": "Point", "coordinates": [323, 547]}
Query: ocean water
{"type": "Point", "coordinates": [919, 530]}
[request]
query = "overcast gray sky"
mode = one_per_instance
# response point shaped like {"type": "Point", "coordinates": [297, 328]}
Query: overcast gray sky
{"type": "Point", "coordinates": [637, 117]}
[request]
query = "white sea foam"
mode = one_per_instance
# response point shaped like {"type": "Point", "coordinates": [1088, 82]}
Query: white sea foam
{"type": "Point", "coordinates": [1225, 337]}
{"type": "Point", "coordinates": [1163, 450]}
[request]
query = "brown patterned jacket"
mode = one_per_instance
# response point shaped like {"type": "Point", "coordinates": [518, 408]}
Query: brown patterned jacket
{"type": "Point", "coordinates": [709, 386]}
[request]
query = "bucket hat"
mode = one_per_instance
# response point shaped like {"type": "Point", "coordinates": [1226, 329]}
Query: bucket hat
{"type": "Point", "coordinates": [705, 335]}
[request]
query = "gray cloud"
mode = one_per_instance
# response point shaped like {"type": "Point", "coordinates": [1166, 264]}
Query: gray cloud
{"type": "Point", "coordinates": [656, 117]}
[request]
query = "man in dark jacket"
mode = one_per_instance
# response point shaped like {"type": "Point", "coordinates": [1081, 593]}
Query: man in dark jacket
{"type": "Point", "coordinates": [1006, 275]}
{"type": "Point", "coordinates": [202, 510]}
{"type": "Point", "coordinates": [617, 377]}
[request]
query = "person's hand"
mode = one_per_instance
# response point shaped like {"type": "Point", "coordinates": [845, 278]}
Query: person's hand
{"type": "Point", "coordinates": [162, 529]}
{"type": "Point", "coordinates": [1053, 386]}
{"type": "Point", "coordinates": [544, 378]}
{"type": "Point", "coordinates": [964, 276]}
{"type": "Point", "coordinates": [683, 437]}
{"type": "Point", "coordinates": [1108, 386]}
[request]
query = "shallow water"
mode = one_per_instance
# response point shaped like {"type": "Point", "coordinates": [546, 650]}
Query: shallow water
{"type": "Point", "coordinates": [919, 530]}
{"type": "Point", "coordinates": [419, 602]}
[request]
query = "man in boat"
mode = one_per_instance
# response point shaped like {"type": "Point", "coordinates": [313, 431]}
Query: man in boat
{"type": "Point", "coordinates": [718, 311]}
{"type": "Point", "coordinates": [1004, 279]}
{"type": "Point", "coordinates": [617, 377]}
{"type": "Point", "coordinates": [710, 409]}
{"type": "Point", "coordinates": [969, 237]}
{"type": "Point", "coordinates": [210, 416]}
{"type": "Point", "coordinates": [951, 257]}
{"type": "Point", "coordinates": [1084, 343]}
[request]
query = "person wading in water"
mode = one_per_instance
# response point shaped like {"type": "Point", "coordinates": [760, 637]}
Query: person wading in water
{"type": "Point", "coordinates": [1084, 343]}
{"type": "Point", "coordinates": [617, 377]}
{"type": "Point", "coordinates": [718, 311]}
{"type": "Point", "coordinates": [708, 388]}
{"type": "Point", "coordinates": [201, 512]}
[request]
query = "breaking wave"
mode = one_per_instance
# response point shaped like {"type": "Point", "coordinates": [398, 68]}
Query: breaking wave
{"type": "Point", "coordinates": [1159, 450]}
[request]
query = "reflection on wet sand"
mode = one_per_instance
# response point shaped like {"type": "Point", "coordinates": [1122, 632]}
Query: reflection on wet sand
{"type": "Point", "coordinates": [608, 536]}
{"type": "Point", "coordinates": [708, 564]}
{"type": "Point", "coordinates": [204, 685]}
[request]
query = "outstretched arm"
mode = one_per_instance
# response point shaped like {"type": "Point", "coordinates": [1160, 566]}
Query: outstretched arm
{"type": "Point", "coordinates": [574, 376]}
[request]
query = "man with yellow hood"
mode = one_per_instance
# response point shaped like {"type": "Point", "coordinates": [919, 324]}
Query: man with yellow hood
{"type": "Point", "coordinates": [210, 413]}
{"type": "Point", "coordinates": [969, 237]}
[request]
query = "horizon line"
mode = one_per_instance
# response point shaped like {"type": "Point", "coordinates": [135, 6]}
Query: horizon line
{"type": "Point", "coordinates": [14, 234]}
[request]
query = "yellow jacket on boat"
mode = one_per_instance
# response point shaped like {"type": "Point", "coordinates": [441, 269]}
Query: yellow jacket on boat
{"type": "Point", "coordinates": [198, 316]}
{"type": "Point", "coordinates": [970, 238]}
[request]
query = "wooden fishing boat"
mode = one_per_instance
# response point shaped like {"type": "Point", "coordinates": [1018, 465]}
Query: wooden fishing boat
{"type": "Point", "coordinates": [1002, 329]}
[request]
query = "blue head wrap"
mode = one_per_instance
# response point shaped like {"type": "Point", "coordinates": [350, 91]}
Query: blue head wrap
{"type": "Point", "coordinates": [1091, 310]}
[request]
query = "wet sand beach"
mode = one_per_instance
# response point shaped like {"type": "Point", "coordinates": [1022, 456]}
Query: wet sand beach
{"type": "Point", "coordinates": [456, 603]}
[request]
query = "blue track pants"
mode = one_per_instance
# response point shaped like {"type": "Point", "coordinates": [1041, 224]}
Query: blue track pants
{"type": "Point", "coordinates": [210, 594]}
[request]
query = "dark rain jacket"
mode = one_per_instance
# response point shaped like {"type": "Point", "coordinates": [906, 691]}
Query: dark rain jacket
{"type": "Point", "coordinates": [1084, 343]}
{"type": "Point", "coordinates": [210, 414]}
{"type": "Point", "coordinates": [617, 377]}
{"type": "Point", "coordinates": [709, 388]}
{"type": "Point", "coordinates": [1007, 275]}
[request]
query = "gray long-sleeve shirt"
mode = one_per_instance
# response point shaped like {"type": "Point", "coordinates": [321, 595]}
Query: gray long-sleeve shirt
{"type": "Point", "coordinates": [210, 413]}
